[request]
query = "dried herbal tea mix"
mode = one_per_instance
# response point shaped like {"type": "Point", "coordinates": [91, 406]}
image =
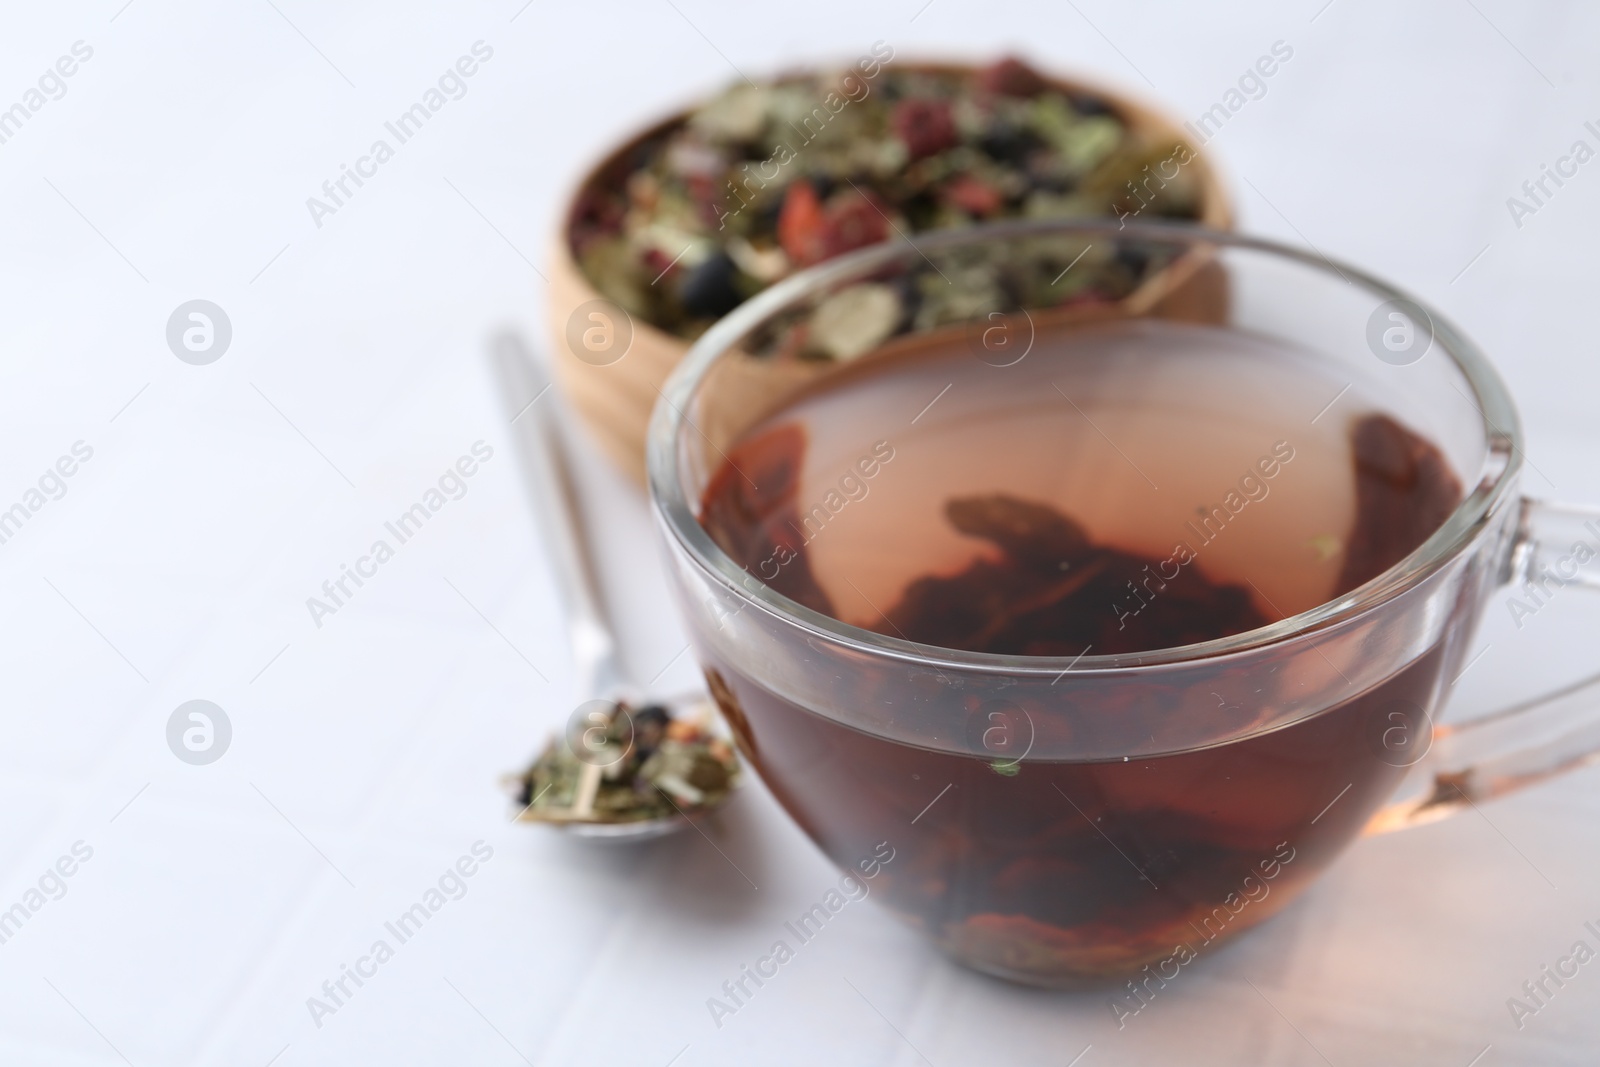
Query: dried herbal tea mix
{"type": "Point", "coordinates": [767, 179]}
{"type": "Point", "coordinates": [649, 766]}
{"type": "Point", "coordinates": [1130, 486]}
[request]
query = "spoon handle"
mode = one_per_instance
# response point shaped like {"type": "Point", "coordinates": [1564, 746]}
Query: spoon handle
{"type": "Point", "coordinates": [547, 477]}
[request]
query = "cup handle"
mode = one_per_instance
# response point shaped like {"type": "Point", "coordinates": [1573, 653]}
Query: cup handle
{"type": "Point", "coordinates": [1556, 547]}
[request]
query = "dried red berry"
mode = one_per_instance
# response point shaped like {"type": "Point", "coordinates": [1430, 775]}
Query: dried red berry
{"type": "Point", "coordinates": [800, 225]}
{"type": "Point", "coordinates": [1012, 77]}
{"type": "Point", "coordinates": [852, 220]}
{"type": "Point", "coordinates": [599, 211]}
{"type": "Point", "coordinates": [709, 199]}
{"type": "Point", "coordinates": [926, 126]}
{"type": "Point", "coordinates": [811, 232]}
{"type": "Point", "coordinates": [973, 195]}
{"type": "Point", "coordinates": [656, 261]}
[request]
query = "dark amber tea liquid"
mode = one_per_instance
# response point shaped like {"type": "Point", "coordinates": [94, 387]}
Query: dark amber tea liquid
{"type": "Point", "coordinates": [1122, 488]}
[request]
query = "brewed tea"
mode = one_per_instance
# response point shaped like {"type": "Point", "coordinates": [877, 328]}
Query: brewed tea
{"type": "Point", "coordinates": [1121, 488]}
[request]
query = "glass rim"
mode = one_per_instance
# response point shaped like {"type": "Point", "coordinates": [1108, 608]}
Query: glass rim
{"type": "Point", "coordinates": [1495, 480]}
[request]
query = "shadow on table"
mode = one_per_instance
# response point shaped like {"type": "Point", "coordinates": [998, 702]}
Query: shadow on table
{"type": "Point", "coordinates": [708, 871]}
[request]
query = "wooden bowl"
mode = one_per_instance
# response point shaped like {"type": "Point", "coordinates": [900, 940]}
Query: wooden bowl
{"type": "Point", "coordinates": [614, 395]}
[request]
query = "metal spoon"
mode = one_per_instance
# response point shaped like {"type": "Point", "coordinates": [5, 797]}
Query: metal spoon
{"type": "Point", "coordinates": [547, 478]}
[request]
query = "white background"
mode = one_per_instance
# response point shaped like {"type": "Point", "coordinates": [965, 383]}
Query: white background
{"type": "Point", "coordinates": [365, 753]}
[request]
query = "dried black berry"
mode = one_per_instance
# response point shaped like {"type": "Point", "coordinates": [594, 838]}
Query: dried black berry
{"type": "Point", "coordinates": [1010, 144]}
{"type": "Point", "coordinates": [709, 289]}
{"type": "Point", "coordinates": [1087, 105]}
{"type": "Point", "coordinates": [653, 715]}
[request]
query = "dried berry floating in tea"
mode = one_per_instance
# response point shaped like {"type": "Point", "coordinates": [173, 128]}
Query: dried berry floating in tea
{"type": "Point", "coordinates": [1404, 491]}
{"type": "Point", "coordinates": [1047, 595]}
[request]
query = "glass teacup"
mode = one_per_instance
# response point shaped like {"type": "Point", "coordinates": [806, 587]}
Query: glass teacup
{"type": "Point", "coordinates": [1060, 818]}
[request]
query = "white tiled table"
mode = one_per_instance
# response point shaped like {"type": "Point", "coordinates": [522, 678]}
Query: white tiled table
{"type": "Point", "coordinates": [364, 754]}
